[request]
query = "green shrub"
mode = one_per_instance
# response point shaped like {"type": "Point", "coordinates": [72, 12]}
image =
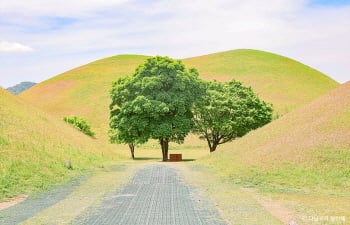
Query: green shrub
{"type": "Point", "coordinates": [80, 124]}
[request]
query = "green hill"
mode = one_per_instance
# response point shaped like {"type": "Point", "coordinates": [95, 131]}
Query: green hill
{"type": "Point", "coordinates": [277, 79]}
{"type": "Point", "coordinates": [307, 149]}
{"type": "Point", "coordinates": [34, 147]}
{"type": "Point", "coordinates": [84, 91]}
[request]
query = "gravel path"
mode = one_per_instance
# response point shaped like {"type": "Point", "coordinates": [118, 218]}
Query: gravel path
{"type": "Point", "coordinates": [155, 195]}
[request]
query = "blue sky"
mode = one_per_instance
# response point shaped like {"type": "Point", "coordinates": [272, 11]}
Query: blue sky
{"type": "Point", "coordinates": [42, 38]}
{"type": "Point", "coordinates": [330, 2]}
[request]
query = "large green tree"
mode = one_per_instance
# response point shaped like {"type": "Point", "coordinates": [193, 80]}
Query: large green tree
{"type": "Point", "coordinates": [154, 103]}
{"type": "Point", "coordinates": [227, 111]}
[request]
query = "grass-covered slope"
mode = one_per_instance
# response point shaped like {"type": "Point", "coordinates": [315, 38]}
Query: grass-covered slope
{"type": "Point", "coordinates": [277, 79]}
{"type": "Point", "coordinates": [84, 91]}
{"type": "Point", "coordinates": [306, 149]}
{"type": "Point", "coordinates": [35, 145]}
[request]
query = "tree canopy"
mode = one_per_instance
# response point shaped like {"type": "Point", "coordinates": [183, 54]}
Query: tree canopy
{"type": "Point", "coordinates": [227, 111]}
{"type": "Point", "coordinates": [154, 103]}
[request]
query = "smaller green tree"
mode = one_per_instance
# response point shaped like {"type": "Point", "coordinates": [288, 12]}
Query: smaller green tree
{"type": "Point", "coordinates": [80, 124]}
{"type": "Point", "coordinates": [131, 123]}
{"type": "Point", "coordinates": [227, 111]}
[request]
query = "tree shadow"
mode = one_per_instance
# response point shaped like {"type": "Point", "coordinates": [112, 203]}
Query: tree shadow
{"type": "Point", "coordinates": [160, 160]}
{"type": "Point", "coordinates": [146, 158]}
{"type": "Point", "coordinates": [188, 160]}
{"type": "Point", "coordinates": [183, 160]}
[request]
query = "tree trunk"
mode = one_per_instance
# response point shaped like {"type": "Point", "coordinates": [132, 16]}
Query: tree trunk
{"type": "Point", "coordinates": [132, 149]}
{"type": "Point", "coordinates": [164, 143]}
{"type": "Point", "coordinates": [213, 148]}
{"type": "Point", "coordinates": [212, 144]}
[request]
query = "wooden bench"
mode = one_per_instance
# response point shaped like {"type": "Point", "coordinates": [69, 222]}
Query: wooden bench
{"type": "Point", "coordinates": [175, 157]}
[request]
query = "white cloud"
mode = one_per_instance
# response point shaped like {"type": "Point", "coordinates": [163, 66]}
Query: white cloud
{"type": "Point", "coordinates": [13, 47]}
{"type": "Point", "coordinates": [72, 32]}
{"type": "Point", "coordinates": [55, 7]}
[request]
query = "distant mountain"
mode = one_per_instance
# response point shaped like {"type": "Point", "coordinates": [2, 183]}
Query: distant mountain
{"type": "Point", "coordinates": [18, 88]}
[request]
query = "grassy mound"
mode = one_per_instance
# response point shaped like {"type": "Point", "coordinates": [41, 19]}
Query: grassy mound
{"type": "Point", "coordinates": [282, 81]}
{"type": "Point", "coordinates": [84, 91]}
{"type": "Point", "coordinates": [34, 147]}
{"type": "Point", "coordinates": [307, 149]}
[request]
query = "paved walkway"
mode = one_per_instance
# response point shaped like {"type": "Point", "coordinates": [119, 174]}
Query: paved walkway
{"type": "Point", "coordinates": [155, 195]}
{"type": "Point", "coordinates": [37, 202]}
